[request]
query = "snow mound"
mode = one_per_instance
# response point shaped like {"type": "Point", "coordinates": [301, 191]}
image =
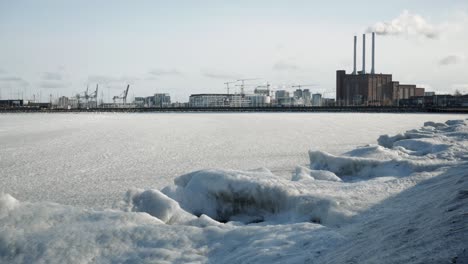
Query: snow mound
{"type": "Point", "coordinates": [419, 150]}
{"type": "Point", "coordinates": [423, 224]}
{"type": "Point", "coordinates": [402, 201]}
{"type": "Point", "coordinates": [430, 130]}
{"type": "Point", "coordinates": [250, 197]}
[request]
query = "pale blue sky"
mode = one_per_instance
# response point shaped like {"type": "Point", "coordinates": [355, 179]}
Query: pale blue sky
{"type": "Point", "coordinates": [184, 47]}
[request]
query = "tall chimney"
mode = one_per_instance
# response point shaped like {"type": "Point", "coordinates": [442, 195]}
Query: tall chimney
{"type": "Point", "coordinates": [355, 43]}
{"type": "Point", "coordinates": [363, 53]}
{"type": "Point", "coordinates": [373, 53]}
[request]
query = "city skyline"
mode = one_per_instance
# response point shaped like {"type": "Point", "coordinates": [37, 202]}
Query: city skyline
{"type": "Point", "coordinates": [184, 48]}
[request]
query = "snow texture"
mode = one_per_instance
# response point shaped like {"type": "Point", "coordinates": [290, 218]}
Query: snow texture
{"type": "Point", "coordinates": [404, 200]}
{"type": "Point", "coordinates": [90, 159]}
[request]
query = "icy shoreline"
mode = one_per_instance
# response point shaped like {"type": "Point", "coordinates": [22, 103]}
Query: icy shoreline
{"type": "Point", "coordinates": [402, 201]}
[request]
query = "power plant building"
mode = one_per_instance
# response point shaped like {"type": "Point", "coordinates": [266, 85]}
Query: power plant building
{"type": "Point", "coordinates": [374, 89]}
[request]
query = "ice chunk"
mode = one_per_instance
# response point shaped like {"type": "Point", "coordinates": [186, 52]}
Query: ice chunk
{"type": "Point", "coordinates": [7, 203]}
{"type": "Point", "coordinates": [434, 124]}
{"type": "Point", "coordinates": [303, 173]}
{"type": "Point", "coordinates": [324, 175]}
{"type": "Point", "coordinates": [421, 146]}
{"type": "Point", "coordinates": [158, 205]}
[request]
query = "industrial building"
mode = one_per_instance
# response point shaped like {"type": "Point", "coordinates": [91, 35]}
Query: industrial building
{"type": "Point", "coordinates": [156, 100]}
{"type": "Point", "coordinates": [209, 100]}
{"type": "Point", "coordinates": [300, 98]}
{"type": "Point", "coordinates": [258, 100]}
{"type": "Point", "coordinates": [11, 103]}
{"type": "Point", "coordinates": [159, 100]}
{"type": "Point", "coordinates": [373, 89]}
{"type": "Point", "coordinates": [433, 100]}
{"type": "Point", "coordinates": [283, 98]}
{"type": "Point", "coordinates": [228, 100]}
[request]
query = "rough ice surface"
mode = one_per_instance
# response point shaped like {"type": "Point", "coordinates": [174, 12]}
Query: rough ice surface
{"type": "Point", "coordinates": [89, 159]}
{"type": "Point", "coordinates": [404, 200]}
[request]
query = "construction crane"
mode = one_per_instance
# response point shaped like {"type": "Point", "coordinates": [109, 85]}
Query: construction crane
{"type": "Point", "coordinates": [267, 86]}
{"type": "Point", "coordinates": [242, 85]}
{"type": "Point", "coordinates": [302, 85]}
{"type": "Point", "coordinates": [227, 85]}
{"type": "Point", "coordinates": [123, 95]}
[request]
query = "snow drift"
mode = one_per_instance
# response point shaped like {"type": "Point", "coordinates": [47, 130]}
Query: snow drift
{"type": "Point", "coordinates": [404, 200]}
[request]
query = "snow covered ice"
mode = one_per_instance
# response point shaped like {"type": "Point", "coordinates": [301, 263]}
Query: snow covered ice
{"type": "Point", "coordinates": [403, 200]}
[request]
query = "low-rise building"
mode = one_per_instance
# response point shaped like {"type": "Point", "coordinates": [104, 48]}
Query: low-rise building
{"type": "Point", "coordinates": [317, 99]}
{"type": "Point", "coordinates": [159, 100]}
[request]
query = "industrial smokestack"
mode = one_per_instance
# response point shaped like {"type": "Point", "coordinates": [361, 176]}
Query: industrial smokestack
{"type": "Point", "coordinates": [355, 43]}
{"type": "Point", "coordinates": [363, 53]}
{"type": "Point", "coordinates": [373, 53]}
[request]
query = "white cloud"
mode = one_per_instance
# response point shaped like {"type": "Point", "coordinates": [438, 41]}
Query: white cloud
{"type": "Point", "coordinates": [52, 76]}
{"type": "Point", "coordinates": [112, 81]}
{"type": "Point", "coordinates": [13, 82]}
{"type": "Point", "coordinates": [406, 24]}
{"type": "Point", "coordinates": [219, 75]}
{"type": "Point", "coordinates": [451, 59]}
{"type": "Point", "coordinates": [53, 80]}
{"type": "Point", "coordinates": [285, 66]}
{"type": "Point", "coordinates": [10, 79]}
{"type": "Point", "coordinates": [163, 72]}
{"type": "Point", "coordinates": [101, 79]}
{"type": "Point", "coordinates": [53, 84]}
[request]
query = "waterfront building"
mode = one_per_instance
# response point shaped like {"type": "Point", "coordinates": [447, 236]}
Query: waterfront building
{"type": "Point", "coordinates": [317, 99]}
{"type": "Point", "coordinates": [377, 89]}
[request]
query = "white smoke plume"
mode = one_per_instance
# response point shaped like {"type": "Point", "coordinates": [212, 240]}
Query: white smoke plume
{"type": "Point", "coordinates": [406, 23]}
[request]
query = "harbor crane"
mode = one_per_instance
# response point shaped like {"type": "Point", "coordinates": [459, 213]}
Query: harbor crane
{"type": "Point", "coordinates": [93, 96]}
{"type": "Point", "coordinates": [123, 95]}
{"type": "Point", "coordinates": [83, 95]}
{"type": "Point", "coordinates": [95, 93]}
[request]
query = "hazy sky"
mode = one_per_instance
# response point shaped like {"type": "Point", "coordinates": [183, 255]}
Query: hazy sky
{"type": "Point", "coordinates": [184, 47]}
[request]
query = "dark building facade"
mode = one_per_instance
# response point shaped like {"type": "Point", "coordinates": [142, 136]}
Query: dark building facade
{"type": "Point", "coordinates": [364, 89]}
{"type": "Point", "coordinates": [11, 103]}
{"type": "Point", "coordinates": [373, 89]}
{"type": "Point", "coordinates": [441, 100]}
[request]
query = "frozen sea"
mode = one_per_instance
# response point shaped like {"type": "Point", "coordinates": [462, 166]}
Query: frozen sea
{"type": "Point", "coordinates": [92, 159]}
{"type": "Point", "coordinates": [233, 188]}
